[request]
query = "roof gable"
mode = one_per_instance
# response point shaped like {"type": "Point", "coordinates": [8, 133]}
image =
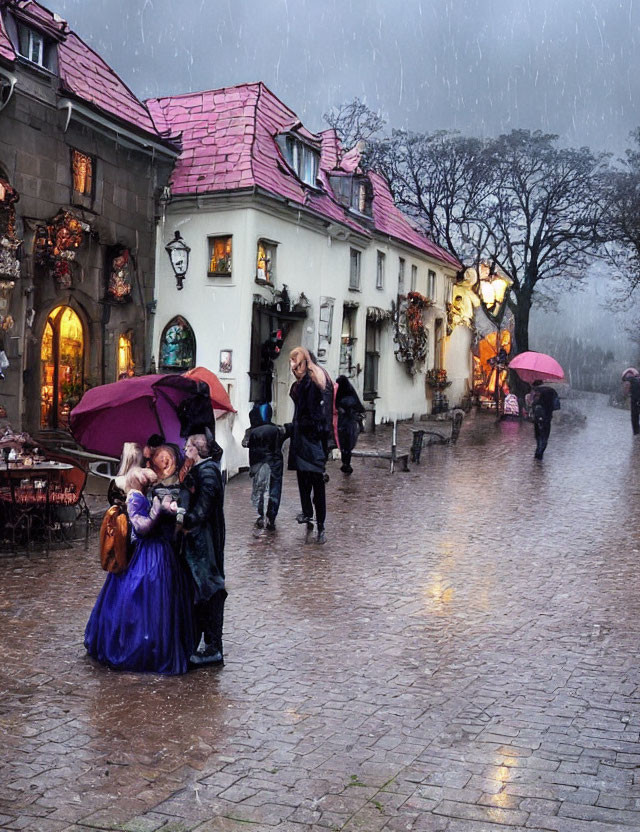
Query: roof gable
{"type": "Point", "coordinates": [228, 140]}
{"type": "Point", "coordinates": [83, 73]}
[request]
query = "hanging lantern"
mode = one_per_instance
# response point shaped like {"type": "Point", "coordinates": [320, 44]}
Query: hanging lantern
{"type": "Point", "coordinates": [178, 252]}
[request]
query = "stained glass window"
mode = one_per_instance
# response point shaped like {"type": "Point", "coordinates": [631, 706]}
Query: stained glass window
{"type": "Point", "coordinates": [177, 346]}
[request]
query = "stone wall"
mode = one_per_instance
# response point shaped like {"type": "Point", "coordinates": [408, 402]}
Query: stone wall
{"type": "Point", "coordinates": [35, 156]}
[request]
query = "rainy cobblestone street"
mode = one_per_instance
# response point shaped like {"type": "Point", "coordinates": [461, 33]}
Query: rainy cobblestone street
{"type": "Point", "coordinates": [461, 656]}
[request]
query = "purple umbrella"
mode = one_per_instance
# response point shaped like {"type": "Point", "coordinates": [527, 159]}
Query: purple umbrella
{"type": "Point", "coordinates": [130, 410]}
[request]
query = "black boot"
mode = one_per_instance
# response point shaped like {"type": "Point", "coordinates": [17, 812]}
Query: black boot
{"type": "Point", "coordinates": [213, 651]}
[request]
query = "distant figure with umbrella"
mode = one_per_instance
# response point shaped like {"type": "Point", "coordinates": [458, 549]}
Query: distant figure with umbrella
{"type": "Point", "coordinates": [631, 388]}
{"type": "Point", "coordinates": [544, 401]}
{"type": "Point", "coordinates": [535, 368]}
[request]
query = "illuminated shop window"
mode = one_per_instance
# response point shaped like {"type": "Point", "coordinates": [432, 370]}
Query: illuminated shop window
{"type": "Point", "coordinates": [61, 367]}
{"type": "Point", "coordinates": [220, 256]}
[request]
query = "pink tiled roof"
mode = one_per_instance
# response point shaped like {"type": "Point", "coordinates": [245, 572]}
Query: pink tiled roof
{"type": "Point", "coordinates": [86, 75]}
{"type": "Point", "coordinates": [6, 47]}
{"type": "Point", "coordinates": [83, 73]}
{"type": "Point", "coordinates": [227, 139]}
{"type": "Point", "coordinates": [228, 142]}
{"type": "Point", "coordinates": [389, 219]}
{"type": "Point", "coordinates": [330, 149]}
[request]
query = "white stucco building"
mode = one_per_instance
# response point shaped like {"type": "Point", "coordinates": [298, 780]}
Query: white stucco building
{"type": "Point", "coordinates": [287, 234]}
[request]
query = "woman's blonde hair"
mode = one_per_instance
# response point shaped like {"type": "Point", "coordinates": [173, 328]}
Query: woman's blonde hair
{"type": "Point", "coordinates": [138, 479]}
{"type": "Point", "coordinates": [317, 373]}
{"type": "Point", "coordinates": [131, 458]}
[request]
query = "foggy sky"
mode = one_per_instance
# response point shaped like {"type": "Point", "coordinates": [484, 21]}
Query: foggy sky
{"type": "Point", "coordinates": [570, 67]}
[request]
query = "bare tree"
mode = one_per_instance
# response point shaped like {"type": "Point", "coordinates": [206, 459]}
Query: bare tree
{"type": "Point", "coordinates": [354, 121]}
{"type": "Point", "coordinates": [443, 180]}
{"type": "Point", "coordinates": [620, 190]}
{"type": "Point", "coordinates": [519, 202]}
{"type": "Point", "coordinates": [545, 216]}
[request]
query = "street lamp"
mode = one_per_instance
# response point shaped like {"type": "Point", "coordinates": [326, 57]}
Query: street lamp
{"type": "Point", "coordinates": [493, 291]}
{"type": "Point", "coordinates": [178, 252]}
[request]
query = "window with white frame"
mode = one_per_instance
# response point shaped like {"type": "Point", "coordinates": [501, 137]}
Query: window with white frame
{"type": "Point", "coordinates": [31, 45]}
{"type": "Point", "coordinates": [431, 284]}
{"type": "Point", "coordinates": [401, 270]}
{"type": "Point", "coordinates": [380, 270]}
{"type": "Point", "coordinates": [414, 278]}
{"type": "Point", "coordinates": [301, 157]}
{"type": "Point", "coordinates": [354, 268]}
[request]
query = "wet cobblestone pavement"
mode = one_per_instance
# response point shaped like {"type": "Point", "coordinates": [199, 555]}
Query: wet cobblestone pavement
{"type": "Point", "coordinates": [461, 656]}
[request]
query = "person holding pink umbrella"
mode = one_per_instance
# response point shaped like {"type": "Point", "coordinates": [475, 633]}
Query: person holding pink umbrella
{"type": "Point", "coordinates": [544, 401]}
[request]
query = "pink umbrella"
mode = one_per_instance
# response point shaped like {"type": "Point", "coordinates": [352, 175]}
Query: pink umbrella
{"type": "Point", "coordinates": [534, 366]}
{"type": "Point", "coordinates": [130, 410]}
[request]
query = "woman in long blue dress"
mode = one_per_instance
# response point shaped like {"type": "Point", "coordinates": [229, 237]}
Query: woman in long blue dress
{"type": "Point", "coordinates": [143, 618]}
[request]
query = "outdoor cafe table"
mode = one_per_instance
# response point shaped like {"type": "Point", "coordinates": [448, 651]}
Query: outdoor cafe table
{"type": "Point", "coordinates": [23, 504]}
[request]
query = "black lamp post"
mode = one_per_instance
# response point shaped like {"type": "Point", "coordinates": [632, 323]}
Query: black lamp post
{"type": "Point", "coordinates": [178, 252]}
{"type": "Point", "coordinates": [493, 290]}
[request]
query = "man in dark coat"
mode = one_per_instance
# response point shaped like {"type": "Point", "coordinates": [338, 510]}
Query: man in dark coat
{"type": "Point", "coordinates": [350, 415]}
{"type": "Point", "coordinates": [545, 401]}
{"type": "Point", "coordinates": [200, 521]}
{"type": "Point", "coordinates": [266, 464]}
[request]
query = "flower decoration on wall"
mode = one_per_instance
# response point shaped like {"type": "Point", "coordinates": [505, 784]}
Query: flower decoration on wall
{"type": "Point", "coordinates": [56, 244]}
{"type": "Point", "coordinates": [119, 286]}
{"type": "Point", "coordinates": [411, 334]}
{"type": "Point", "coordinates": [9, 243]}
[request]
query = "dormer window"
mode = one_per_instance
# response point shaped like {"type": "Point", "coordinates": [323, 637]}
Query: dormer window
{"type": "Point", "coordinates": [301, 157]}
{"type": "Point", "coordinates": [33, 46]}
{"type": "Point", "coordinates": [353, 192]}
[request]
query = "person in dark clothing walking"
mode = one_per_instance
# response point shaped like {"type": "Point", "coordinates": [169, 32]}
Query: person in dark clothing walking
{"type": "Point", "coordinates": [544, 401]}
{"type": "Point", "coordinates": [201, 529]}
{"type": "Point", "coordinates": [631, 387]}
{"type": "Point", "coordinates": [264, 440]}
{"type": "Point", "coordinates": [310, 431]}
{"type": "Point", "coordinates": [350, 415]}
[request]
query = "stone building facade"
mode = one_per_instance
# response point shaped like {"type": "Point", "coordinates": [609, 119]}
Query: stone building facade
{"type": "Point", "coordinates": [81, 169]}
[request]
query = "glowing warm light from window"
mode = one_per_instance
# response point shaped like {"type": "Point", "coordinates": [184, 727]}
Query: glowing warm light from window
{"type": "Point", "coordinates": [62, 365]}
{"type": "Point", "coordinates": [82, 172]}
{"type": "Point", "coordinates": [126, 363]}
{"type": "Point", "coordinates": [492, 290]}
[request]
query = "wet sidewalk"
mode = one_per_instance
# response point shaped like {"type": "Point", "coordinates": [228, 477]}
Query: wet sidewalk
{"type": "Point", "coordinates": [461, 656]}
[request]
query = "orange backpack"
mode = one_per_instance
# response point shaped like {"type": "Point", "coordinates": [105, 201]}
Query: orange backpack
{"type": "Point", "coordinates": [115, 540]}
